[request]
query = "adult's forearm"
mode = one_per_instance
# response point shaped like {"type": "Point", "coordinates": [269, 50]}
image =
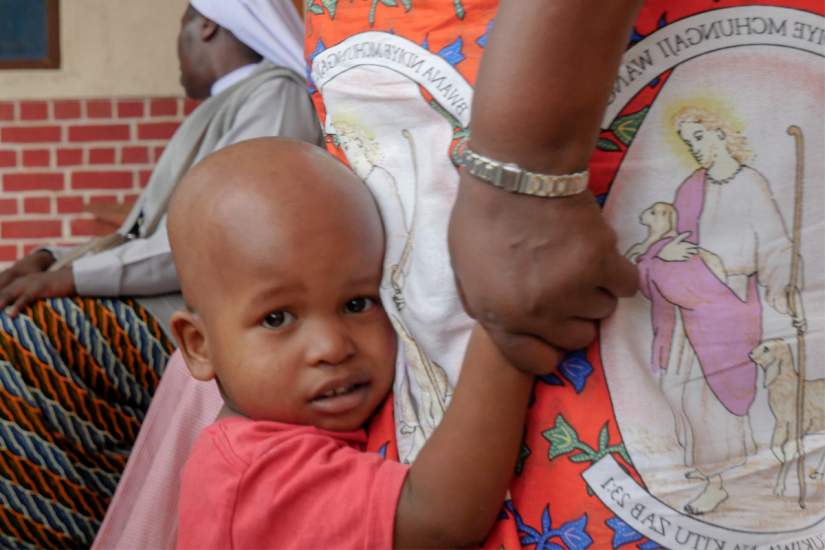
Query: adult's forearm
{"type": "Point", "coordinates": [140, 267]}
{"type": "Point", "coordinates": [545, 79]}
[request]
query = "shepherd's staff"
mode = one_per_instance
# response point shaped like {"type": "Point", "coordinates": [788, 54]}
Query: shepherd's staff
{"type": "Point", "coordinates": [792, 293]}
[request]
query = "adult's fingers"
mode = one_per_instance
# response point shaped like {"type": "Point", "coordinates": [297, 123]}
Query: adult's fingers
{"type": "Point", "coordinates": [621, 277]}
{"type": "Point", "coordinates": [24, 299]}
{"type": "Point", "coordinates": [526, 352]}
{"type": "Point", "coordinates": [571, 334]}
{"type": "Point", "coordinates": [599, 304]}
{"type": "Point", "coordinates": [9, 295]}
{"type": "Point", "coordinates": [6, 297]}
{"type": "Point", "coordinates": [7, 276]}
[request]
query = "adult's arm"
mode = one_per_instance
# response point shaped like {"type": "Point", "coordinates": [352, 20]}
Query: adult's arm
{"type": "Point", "coordinates": [143, 267]}
{"type": "Point", "coordinates": [539, 272]}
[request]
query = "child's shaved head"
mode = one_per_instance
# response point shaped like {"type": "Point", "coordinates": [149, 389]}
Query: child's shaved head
{"type": "Point", "coordinates": [279, 251]}
{"type": "Point", "coordinates": [235, 197]}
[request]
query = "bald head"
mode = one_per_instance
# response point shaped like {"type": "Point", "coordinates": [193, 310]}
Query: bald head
{"type": "Point", "coordinates": [258, 199]}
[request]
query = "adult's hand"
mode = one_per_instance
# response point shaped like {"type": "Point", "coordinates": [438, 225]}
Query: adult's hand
{"type": "Point", "coordinates": [536, 272]}
{"type": "Point", "coordinates": [36, 262]}
{"type": "Point", "coordinates": [26, 283]}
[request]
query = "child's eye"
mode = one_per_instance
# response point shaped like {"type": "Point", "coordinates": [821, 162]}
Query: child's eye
{"type": "Point", "coordinates": [278, 319]}
{"type": "Point", "coordinates": [359, 305]}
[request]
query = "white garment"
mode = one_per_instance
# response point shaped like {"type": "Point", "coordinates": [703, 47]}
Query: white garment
{"type": "Point", "coordinates": [231, 78]}
{"type": "Point", "coordinates": [741, 224]}
{"type": "Point", "coordinates": [270, 27]}
{"type": "Point", "coordinates": [143, 266]}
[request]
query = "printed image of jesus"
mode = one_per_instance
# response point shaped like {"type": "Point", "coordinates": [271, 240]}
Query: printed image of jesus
{"type": "Point", "coordinates": [705, 325]}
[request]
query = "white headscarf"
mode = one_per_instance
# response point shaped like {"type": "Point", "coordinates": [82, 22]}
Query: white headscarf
{"type": "Point", "coordinates": [272, 28]}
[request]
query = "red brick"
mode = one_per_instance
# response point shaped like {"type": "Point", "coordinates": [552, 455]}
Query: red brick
{"type": "Point", "coordinates": [30, 134]}
{"type": "Point", "coordinates": [134, 155]}
{"type": "Point", "coordinates": [158, 152]}
{"type": "Point", "coordinates": [8, 207]}
{"type": "Point", "coordinates": [34, 110]}
{"type": "Point", "coordinates": [190, 105]}
{"type": "Point", "coordinates": [167, 106]}
{"type": "Point", "coordinates": [102, 180]}
{"type": "Point", "coordinates": [66, 109]}
{"type": "Point", "coordinates": [99, 132]}
{"type": "Point", "coordinates": [8, 253]}
{"type": "Point", "coordinates": [69, 157]}
{"type": "Point", "coordinates": [33, 182]}
{"type": "Point", "coordinates": [143, 177]}
{"type": "Point", "coordinates": [129, 108]}
{"type": "Point", "coordinates": [8, 158]}
{"type": "Point", "coordinates": [102, 156]}
{"type": "Point", "coordinates": [85, 227]}
{"type": "Point", "coordinates": [36, 157]}
{"type": "Point", "coordinates": [69, 205]}
{"type": "Point", "coordinates": [28, 229]}
{"type": "Point", "coordinates": [157, 130]}
{"type": "Point", "coordinates": [37, 205]}
{"type": "Point", "coordinates": [102, 199]}
{"type": "Point", "coordinates": [99, 108]}
{"type": "Point", "coordinates": [6, 110]}
{"type": "Point", "coordinates": [130, 198]}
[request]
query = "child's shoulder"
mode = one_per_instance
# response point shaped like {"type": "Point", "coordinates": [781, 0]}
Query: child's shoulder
{"type": "Point", "coordinates": [244, 442]}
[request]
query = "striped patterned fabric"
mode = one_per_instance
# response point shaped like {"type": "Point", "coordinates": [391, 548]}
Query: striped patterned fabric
{"type": "Point", "coordinates": [76, 378]}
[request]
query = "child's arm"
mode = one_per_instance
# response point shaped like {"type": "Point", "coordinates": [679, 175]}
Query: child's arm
{"type": "Point", "coordinates": [455, 488]}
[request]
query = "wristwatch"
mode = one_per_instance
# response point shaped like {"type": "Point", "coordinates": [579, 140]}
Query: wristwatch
{"type": "Point", "coordinates": [515, 179]}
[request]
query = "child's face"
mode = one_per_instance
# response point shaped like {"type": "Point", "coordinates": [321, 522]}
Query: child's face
{"type": "Point", "coordinates": [299, 334]}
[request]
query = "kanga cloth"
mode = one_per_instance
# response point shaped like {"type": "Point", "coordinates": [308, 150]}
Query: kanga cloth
{"type": "Point", "coordinates": [76, 379]}
{"type": "Point", "coordinates": [677, 427]}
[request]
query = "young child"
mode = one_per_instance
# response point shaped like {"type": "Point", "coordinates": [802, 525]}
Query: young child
{"type": "Point", "coordinates": [279, 248]}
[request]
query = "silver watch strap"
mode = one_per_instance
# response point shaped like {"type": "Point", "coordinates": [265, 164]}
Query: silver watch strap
{"type": "Point", "coordinates": [512, 177]}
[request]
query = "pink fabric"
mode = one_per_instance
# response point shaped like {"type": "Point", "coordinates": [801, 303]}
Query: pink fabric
{"type": "Point", "coordinates": [258, 484]}
{"type": "Point", "coordinates": [143, 512]}
{"type": "Point", "coordinates": [721, 328]}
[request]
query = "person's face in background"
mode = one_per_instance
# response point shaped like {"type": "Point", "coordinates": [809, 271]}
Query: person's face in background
{"type": "Point", "coordinates": [195, 73]}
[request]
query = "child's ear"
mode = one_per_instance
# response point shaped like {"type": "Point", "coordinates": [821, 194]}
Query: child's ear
{"type": "Point", "coordinates": [191, 337]}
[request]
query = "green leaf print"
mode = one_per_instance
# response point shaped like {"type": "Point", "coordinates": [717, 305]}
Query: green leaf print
{"type": "Point", "coordinates": [458, 6]}
{"type": "Point", "coordinates": [582, 457]}
{"type": "Point", "coordinates": [331, 6]}
{"type": "Point", "coordinates": [523, 453]}
{"type": "Point", "coordinates": [604, 437]}
{"type": "Point", "coordinates": [316, 9]}
{"type": "Point", "coordinates": [459, 9]}
{"type": "Point", "coordinates": [563, 438]}
{"type": "Point", "coordinates": [606, 145]}
{"type": "Point", "coordinates": [625, 127]}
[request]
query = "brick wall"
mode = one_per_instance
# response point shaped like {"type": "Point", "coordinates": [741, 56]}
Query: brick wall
{"type": "Point", "coordinates": [59, 156]}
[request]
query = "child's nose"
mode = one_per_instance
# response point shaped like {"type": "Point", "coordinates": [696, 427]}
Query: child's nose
{"type": "Point", "coordinates": [329, 343]}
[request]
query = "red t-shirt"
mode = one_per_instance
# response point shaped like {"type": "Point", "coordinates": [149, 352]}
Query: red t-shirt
{"type": "Point", "coordinates": [252, 484]}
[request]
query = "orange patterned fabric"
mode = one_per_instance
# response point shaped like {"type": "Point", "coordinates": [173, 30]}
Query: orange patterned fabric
{"type": "Point", "coordinates": [582, 481]}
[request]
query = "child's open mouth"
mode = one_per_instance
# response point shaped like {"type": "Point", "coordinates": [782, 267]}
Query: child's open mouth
{"type": "Point", "coordinates": [343, 390]}
{"type": "Point", "coordinates": [341, 398]}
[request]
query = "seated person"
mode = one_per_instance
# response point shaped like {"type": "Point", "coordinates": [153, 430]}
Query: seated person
{"type": "Point", "coordinates": [78, 374]}
{"type": "Point", "coordinates": [283, 313]}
